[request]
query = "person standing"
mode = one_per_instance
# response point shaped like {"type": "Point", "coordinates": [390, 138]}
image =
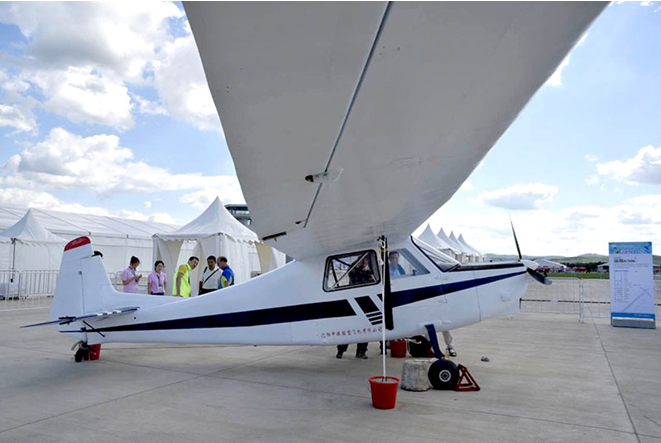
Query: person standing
{"type": "Point", "coordinates": [447, 337]}
{"type": "Point", "coordinates": [182, 286]}
{"type": "Point", "coordinates": [360, 275]}
{"type": "Point", "coordinates": [210, 276]}
{"type": "Point", "coordinates": [130, 276]}
{"type": "Point", "coordinates": [227, 277]}
{"type": "Point", "coordinates": [157, 281]}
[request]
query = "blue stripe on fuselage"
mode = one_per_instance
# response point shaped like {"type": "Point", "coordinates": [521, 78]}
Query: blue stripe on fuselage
{"type": "Point", "coordinates": [297, 313]}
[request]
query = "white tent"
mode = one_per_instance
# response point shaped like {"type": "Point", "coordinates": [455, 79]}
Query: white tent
{"type": "Point", "coordinates": [428, 237]}
{"type": "Point", "coordinates": [477, 255]}
{"type": "Point", "coordinates": [28, 245]}
{"type": "Point", "coordinates": [455, 250]}
{"type": "Point", "coordinates": [216, 232]}
{"type": "Point", "coordinates": [117, 238]}
{"type": "Point", "coordinates": [466, 255]}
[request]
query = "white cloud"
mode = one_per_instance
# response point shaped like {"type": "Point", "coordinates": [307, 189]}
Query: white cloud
{"type": "Point", "coordinates": [148, 107]}
{"type": "Point", "coordinates": [100, 164]}
{"type": "Point", "coordinates": [82, 95]}
{"type": "Point", "coordinates": [467, 186]}
{"type": "Point", "coordinates": [185, 92]}
{"type": "Point", "coordinates": [571, 231]}
{"type": "Point", "coordinates": [229, 192]}
{"type": "Point", "coordinates": [521, 196]}
{"type": "Point", "coordinates": [643, 168]}
{"type": "Point", "coordinates": [17, 117]}
{"type": "Point", "coordinates": [592, 180]}
{"type": "Point", "coordinates": [591, 158]}
{"type": "Point", "coordinates": [162, 217]}
{"type": "Point", "coordinates": [43, 200]}
{"type": "Point", "coordinates": [147, 204]}
{"type": "Point", "coordinates": [83, 57]}
{"type": "Point", "coordinates": [556, 78]}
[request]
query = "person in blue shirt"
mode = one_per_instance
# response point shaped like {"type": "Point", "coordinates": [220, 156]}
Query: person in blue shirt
{"type": "Point", "coordinates": [227, 277]}
{"type": "Point", "coordinates": [396, 270]}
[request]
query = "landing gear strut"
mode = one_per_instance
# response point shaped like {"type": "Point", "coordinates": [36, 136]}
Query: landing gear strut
{"type": "Point", "coordinates": [443, 374]}
{"type": "Point", "coordinates": [82, 351]}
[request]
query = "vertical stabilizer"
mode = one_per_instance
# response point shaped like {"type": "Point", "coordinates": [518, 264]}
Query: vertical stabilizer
{"type": "Point", "coordinates": [81, 282]}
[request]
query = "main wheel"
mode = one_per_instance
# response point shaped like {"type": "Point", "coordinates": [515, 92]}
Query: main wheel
{"type": "Point", "coordinates": [80, 354]}
{"type": "Point", "coordinates": [419, 346]}
{"type": "Point", "coordinates": [443, 374]}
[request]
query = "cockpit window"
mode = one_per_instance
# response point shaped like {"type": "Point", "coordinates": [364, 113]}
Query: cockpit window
{"type": "Point", "coordinates": [444, 262]}
{"type": "Point", "coordinates": [351, 271]}
{"type": "Point", "coordinates": [402, 263]}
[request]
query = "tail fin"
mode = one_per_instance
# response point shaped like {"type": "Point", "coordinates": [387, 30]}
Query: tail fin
{"type": "Point", "coordinates": [82, 281]}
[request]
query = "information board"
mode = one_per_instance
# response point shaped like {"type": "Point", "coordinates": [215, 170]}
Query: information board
{"type": "Point", "coordinates": [632, 284]}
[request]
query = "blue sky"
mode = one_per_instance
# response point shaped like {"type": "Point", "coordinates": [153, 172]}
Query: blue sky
{"type": "Point", "coordinates": [104, 109]}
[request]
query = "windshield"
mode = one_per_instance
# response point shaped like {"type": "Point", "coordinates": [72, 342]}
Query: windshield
{"type": "Point", "coordinates": [443, 261]}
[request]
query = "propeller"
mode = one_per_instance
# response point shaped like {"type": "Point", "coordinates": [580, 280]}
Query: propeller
{"type": "Point", "coordinates": [531, 266]}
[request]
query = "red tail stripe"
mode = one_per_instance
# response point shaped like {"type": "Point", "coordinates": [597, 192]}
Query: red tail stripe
{"type": "Point", "coordinates": [80, 241]}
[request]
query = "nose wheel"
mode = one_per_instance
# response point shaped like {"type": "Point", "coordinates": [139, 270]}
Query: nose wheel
{"type": "Point", "coordinates": [443, 374]}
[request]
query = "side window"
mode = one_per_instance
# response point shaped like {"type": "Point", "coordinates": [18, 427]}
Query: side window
{"type": "Point", "coordinates": [403, 264]}
{"type": "Point", "coordinates": [351, 271]}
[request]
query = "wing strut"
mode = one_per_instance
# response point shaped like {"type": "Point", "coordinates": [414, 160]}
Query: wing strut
{"type": "Point", "coordinates": [387, 296]}
{"type": "Point", "coordinates": [349, 108]}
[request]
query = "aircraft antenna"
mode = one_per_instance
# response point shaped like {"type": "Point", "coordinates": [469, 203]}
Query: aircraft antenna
{"type": "Point", "coordinates": [515, 240]}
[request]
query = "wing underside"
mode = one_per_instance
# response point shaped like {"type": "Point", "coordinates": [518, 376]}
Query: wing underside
{"type": "Point", "coordinates": [404, 99]}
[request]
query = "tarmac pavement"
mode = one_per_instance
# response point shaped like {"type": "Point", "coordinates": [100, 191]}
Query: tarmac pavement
{"type": "Point", "coordinates": [550, 378]}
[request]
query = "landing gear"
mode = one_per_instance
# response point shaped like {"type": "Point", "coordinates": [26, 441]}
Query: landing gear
{"type": "Point", "coordinates": [82, 351]}
{"type": "Point", "coordinates": [419, 346]}
{"type": "Point", "coordinates": [443, 374]}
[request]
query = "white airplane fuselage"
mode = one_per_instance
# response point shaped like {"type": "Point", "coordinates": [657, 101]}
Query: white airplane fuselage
{"type": "Point", "coordinates": [290, 305]}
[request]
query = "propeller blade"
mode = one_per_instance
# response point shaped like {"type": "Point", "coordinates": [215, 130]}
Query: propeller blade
{"type": "Point", "coordinates": [515, 240]}
{"type": "Point", "coordinates": [539, 277]}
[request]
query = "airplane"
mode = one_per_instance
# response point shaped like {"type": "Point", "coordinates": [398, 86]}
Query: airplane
{"type": "Point", "coordinates": [349, 125]}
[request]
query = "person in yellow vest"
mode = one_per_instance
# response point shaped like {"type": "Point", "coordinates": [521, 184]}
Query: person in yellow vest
{"type": "Point", "coordinates": [182, 286]}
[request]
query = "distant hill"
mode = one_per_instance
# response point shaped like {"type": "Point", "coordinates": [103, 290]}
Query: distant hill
{"type": "Point", "coordinates": [584, 258]}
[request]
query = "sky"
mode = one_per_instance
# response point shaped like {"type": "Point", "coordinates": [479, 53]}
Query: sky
{"type": "Point", "coordinates": [104, 109]}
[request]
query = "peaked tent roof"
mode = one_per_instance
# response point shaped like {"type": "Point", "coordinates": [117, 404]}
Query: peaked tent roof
{"type": "Point", "coordinates": [213, 221]}
{"type": "Point", "coordinates": [428, 237]}
{"type": "Point", "coordinates": [463, 242]}
{"type": "Point", "coordinates": [29, 230]}
{"type": "Point", "coordinates": [445, 240]}
{"type": "Point", "coordinates": [454, 241]}
{"type": "Point", "coordinates": [71, 223]}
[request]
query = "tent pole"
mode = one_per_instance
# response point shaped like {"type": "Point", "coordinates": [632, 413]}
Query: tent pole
{"type": "Point", "coordinates": [13, 259]}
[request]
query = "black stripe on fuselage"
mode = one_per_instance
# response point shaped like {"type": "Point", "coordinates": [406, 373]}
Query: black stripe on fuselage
{"type": "Point", "coordinates": [366, 304]}
{"type": "Point", "coordinates": [259, 317]}
{"type": "Point", "coordinates": [296, 313]}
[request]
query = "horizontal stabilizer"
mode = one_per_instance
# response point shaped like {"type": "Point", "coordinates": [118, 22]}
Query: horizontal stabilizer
{"type": "Point", "coordinates": [95, 315]}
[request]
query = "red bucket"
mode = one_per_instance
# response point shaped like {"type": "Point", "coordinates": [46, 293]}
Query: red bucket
{"type": "Point", "coordinates": [95, 352]}
{"type": "Point", "coordinates": [384, 391]}
{"type": "Point", "coordinates": [398, 348]}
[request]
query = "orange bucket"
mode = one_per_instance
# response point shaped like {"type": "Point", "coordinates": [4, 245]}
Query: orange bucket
{"type": "Point", "coordinates": [95, 352]}
{"type": "Point", "coordinates": [398, 348]}
{"type": "Point", "coordinates": [384, 391]}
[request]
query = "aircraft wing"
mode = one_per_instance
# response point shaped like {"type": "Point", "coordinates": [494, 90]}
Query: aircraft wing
{"type": "Point", "coordinates": [397, 102]}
